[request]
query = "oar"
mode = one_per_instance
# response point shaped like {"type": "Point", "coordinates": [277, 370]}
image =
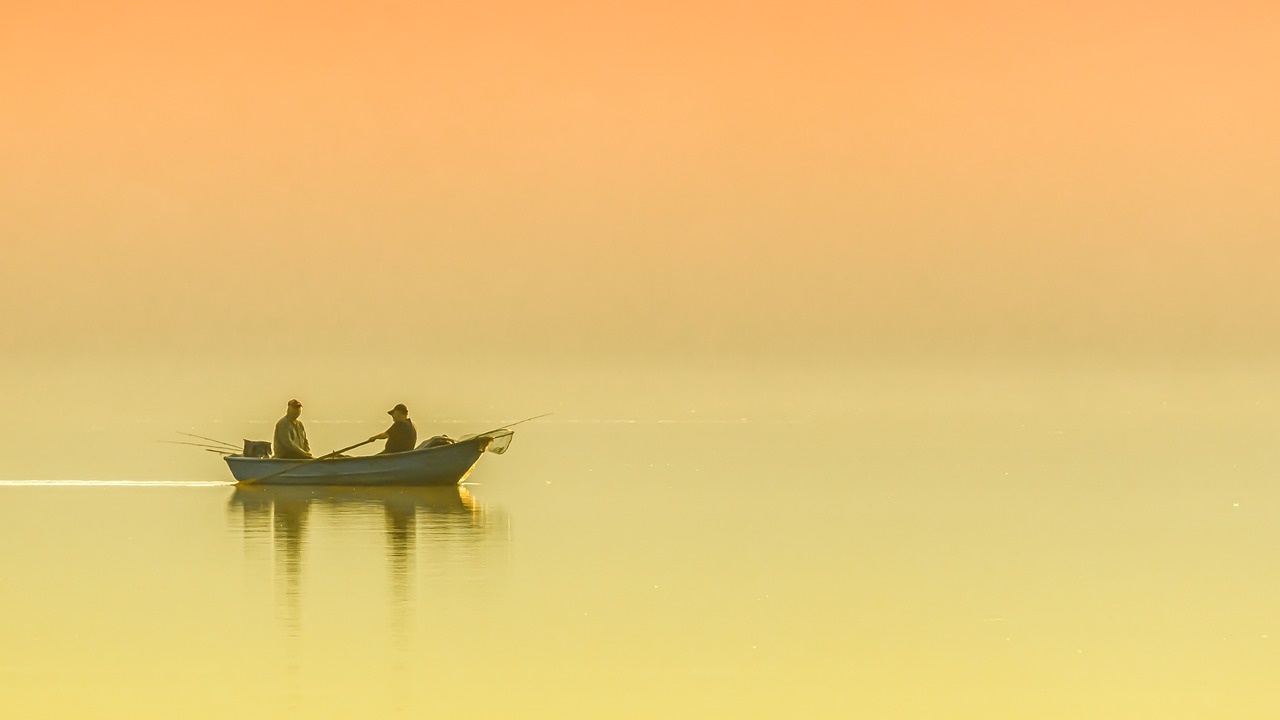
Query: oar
{"type": "Point", "coordinates": [251, 481]}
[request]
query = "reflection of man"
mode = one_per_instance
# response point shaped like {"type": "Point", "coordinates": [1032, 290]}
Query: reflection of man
{"type": "Point", "coordinates": [291, 437]}
{"type": "Point", "coordinates": [402, 435]}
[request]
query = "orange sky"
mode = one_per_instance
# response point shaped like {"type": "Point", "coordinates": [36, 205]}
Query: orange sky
{"type": "Point", "coordinates": [663, 180]}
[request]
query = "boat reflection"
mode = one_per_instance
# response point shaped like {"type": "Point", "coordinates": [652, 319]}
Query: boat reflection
{"type": "Point", "coordinates": [446, 524]}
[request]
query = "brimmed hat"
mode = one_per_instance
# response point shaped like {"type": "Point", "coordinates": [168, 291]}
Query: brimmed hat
{"type": "Point", "coordinates": [400, 407]}
{"type": "Point", "coordinates": [295, 402]}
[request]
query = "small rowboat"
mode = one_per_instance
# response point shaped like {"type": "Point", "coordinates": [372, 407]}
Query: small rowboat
{"type": "Point", "coordinates": [440, 465]}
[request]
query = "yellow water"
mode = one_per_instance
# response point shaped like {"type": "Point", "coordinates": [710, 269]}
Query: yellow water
{"type": "Point", "coordinates": [1104, 553]}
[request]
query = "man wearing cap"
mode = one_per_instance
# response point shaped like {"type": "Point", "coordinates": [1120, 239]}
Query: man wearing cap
{"type": "Point", "coordinates": [291, 437]}
{"type": "Point", "coordinates": [402, 435]}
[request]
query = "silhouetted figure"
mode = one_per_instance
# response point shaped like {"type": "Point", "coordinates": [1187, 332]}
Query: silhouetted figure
{"type": "Point", "coordinates": [291, 437]}
{"type": "Point", "coordinates": [402, 435]}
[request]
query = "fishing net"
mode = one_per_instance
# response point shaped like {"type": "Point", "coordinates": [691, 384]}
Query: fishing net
{"type": "Point", "coordinates": [501, 441]}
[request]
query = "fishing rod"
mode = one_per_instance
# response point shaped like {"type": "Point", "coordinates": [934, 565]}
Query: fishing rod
{"type": "Point", "coordinates": [201, 437]}
{"type": "Point", "coordinates": [508, 425]}
{"type": "Point", "coordinates": [199, 445]}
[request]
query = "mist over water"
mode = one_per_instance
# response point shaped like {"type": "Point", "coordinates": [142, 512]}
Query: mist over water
{"type": "Point", "coordinates": [916, 546]}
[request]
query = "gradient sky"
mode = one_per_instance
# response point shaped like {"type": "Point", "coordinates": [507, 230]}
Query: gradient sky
{"type": "Point", "coordinates": [681, 182]}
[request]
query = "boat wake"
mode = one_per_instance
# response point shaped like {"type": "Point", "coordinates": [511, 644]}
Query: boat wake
{"type": "Point", "coordinates": [114, 483]}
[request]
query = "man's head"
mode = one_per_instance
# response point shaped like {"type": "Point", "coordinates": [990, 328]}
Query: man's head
{"type": "Point", "coordinates": [295, 408]}
{"type": "Point", "coordinates": [399, 412]}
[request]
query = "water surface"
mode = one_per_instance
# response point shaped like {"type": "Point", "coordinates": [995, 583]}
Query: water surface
{"type": "Point", "coordinates": [910, 565]}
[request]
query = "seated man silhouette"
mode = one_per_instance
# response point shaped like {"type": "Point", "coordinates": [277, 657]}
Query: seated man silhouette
{"type": "Point", "coordinates": [402, 435]}
{"type": "Point", "coordinates": [291, 437]}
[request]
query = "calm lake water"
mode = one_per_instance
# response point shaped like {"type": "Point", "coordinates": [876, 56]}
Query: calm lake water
{"type": "Point", "coordinates": [1013, 564]}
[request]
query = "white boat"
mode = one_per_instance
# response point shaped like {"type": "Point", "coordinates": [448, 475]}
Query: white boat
{"type": "Point", "coordinates": [440, 465]}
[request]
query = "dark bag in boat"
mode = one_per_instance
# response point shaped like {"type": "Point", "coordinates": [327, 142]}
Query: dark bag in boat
{"type": "Point", "coordinates": [257, 449]}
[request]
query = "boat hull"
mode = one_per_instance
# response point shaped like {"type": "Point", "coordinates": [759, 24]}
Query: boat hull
{"type": "Point", "coordinates": [446, 465]}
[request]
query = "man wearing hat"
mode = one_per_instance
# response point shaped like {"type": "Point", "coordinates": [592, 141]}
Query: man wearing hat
{"type": "Point", "coordinates": [291, 437]}
{"type": "Point", "coordinates": [402, 435]}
